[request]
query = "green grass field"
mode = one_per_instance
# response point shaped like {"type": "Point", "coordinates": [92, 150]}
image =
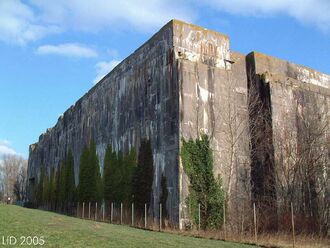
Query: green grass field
{"type": "Point", "coordinates": [63, 231]}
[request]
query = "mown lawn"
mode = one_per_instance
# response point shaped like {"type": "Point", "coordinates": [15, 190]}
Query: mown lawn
{"type": "Point", "coordinates": [62, 231]}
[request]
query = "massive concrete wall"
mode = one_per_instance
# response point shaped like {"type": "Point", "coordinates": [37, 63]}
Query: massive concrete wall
{"type": "Point", "coordinates": [296, 93]}
{"type": "Point", "coordinates": [138, 99]}
{"type": "Point", "coordinates": [213, 101]}
{"type": "Point", "coordinates": [181, 83]}
{"type": "Point", "coordinates": [296, 104]}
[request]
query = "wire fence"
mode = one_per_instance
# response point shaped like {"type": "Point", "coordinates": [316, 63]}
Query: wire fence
{"type": "Point", "coordinates": [247, 226]}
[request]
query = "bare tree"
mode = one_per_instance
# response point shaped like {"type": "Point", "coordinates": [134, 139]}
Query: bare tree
{"type": "Point", "coordinates": [303, 164]}
{"type": "Point", "coordinates": [263, 191]}
{"type": "Point", "coordinates": [2, 193]}
{"type": "Point", "coordinates": [13, 169]}
{"type": "Point", "coordinates": [21, 182]}
{"type": "Point", "coordinates": [231, 147]}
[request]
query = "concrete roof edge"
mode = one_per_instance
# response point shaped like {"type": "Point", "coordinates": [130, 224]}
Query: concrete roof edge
{"type": "Point", "coordinates": [257, 54]}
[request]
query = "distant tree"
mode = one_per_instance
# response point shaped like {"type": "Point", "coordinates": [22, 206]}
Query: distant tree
{"type": "Point", "coordinates": [20, 183]}
{"type": "Point", "coordinates": [143, 176]}
{"type": "Point", "coordinates": [69, 179]}
{"type": "Point", "coordinates": [13, 173]}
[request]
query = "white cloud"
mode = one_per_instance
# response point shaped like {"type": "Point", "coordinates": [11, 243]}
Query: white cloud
{"type": "Point", "coordinates": [314, 12]}
{"type": "Point", "coordinates": [68, 49]}
{"type": "Point", "coordinates": [5, 148]}
{"type": "Point", "coordinates": [103, 68]}
{"type": "Point", "coordinates": [91, 16]}
{"type": "Point", "coordinates": [19, 25]}
{"type": "Point", "coordinates": [22, 22]}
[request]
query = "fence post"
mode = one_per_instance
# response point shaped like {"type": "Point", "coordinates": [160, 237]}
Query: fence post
{"type": "Point", "coordinates": [121, 213]}
{"type": "Point", "coordinates": [224, 220]}
{"type": "Point", "coordinates": [160, 217]}
{"type": "Point", "coordinates": [77, 209]}
{"type": "Point", "coordinates": [103, 205]}
{"type": "Point", "coordinates": [255, 223]}
{"type": "Point", "coordinates": [95, 210]}
{"type": "Point", "coordinates": [83, 213]}
{"type": "Point", "coordinates": [242, 225]}
{"type": "Point", "coordinates": [89, 210]}
{"type": "Point", "coordinates": [132, 213]}
{"type": "Point", "coordinates": [199, 216]}
{"type": "Point", "coordinates": [292, 220]}
{"type": "Point", "coordinates": [111, 214]}
{"type": "Point", "coordinates": [145, 215]}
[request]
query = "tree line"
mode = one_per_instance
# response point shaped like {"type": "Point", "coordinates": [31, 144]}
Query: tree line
{"type": "Point", "coordinates": [126, 178]}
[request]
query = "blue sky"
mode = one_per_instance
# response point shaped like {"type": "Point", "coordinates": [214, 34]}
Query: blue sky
{"type": "Point", "coordinates": [52, 52]}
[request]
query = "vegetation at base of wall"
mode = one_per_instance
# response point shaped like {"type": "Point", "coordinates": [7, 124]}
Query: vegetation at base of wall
{"type": "Point", "coordinates": [129, 166]}
{"type": "Point", "coordinates": [56, 189]}
{"type": "Point", "coordinates": [129, 179]}
{"type": "Point", "coordinates": [107, 173]}
{"type": "Point", "coordinates": [70, 186]}
{"type": "Point", "coordinates": [126, 179]}
{"type": "Point", "coordinates": [90, 188]}
{"type": "Point", "coordinates": [117, 176]}
{"type": "Point", "coordinates": [204, 189]}
{"type": "Point", "coordinates": [38, 190]}
{"type": "Point", "coordinates": [143, 177]}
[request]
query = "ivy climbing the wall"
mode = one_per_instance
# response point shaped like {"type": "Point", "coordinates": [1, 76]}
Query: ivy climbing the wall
{"type": "Point", "coordinates": [204, 189]}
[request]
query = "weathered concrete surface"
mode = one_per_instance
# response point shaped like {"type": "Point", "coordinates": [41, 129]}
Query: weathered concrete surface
{"type": "Point", "coordinates": [183, 82]}
{"type": "Point", "coordinates": [213, 100]}
{"type": "Point", "coordinates": [297, 100]}
{"type": "Point", "coordinates": [136, 100]}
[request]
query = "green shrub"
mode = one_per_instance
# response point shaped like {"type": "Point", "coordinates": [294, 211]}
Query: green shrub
{"type": "Point", "coordinates": [143, 177]}
{"type": "Point", "coordinates": [90, 188]}
{"type": "Point", "coordinates": [204, 189]}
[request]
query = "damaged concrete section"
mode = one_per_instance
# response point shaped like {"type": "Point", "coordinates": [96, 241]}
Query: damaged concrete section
{"type": "Point", "coordinates": [181, 83]}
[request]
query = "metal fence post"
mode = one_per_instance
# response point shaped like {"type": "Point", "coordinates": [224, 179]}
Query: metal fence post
{"type": "Point", "coordinates": [95, 210]}
{"type": "Point", "coordinates": [121, 213]}
{"type": "Point", "coordinates": [292, 220]}
{"type": "Point", "coordinates": [103, 211]}
{"type": "Point", "coordinates": [89, 210]}
{"type": "Point", "coordinates": [160, 217]}
{"type": "Point", "coordinates": [111, 214]}
{"type": "Point", "coordinates": [132, 213]}
{"type": "Point", "coordinates": [78, 209]}
{"type": "Point", "coordinates": [199, 216]}
{"type": "Point", "coordinates": [145, 215]}
{"type": "Point", "coordinates": [83, 213]}
{"type": "Point", "coordinates": [255, 223]}
{"type": "Point", "coordinates": [224, 220]}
